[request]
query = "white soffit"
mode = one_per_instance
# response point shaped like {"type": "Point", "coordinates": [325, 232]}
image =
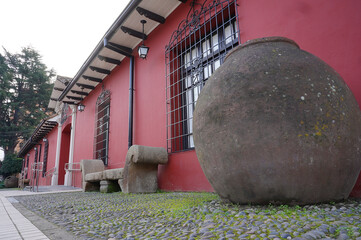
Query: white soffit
{"type": "Point", "coordinates": [59, 85]}
{"type": "Point", "coordinates": [159, 7]}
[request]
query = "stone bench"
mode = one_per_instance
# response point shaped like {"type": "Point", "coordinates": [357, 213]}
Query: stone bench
{"type": "Point", "coordinates": [140, 174]}
{"type": "Point", "coordinates": [95, 178]}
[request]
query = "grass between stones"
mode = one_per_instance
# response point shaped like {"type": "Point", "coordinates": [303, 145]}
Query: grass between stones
{"type": "Point", "coordinates": [178, 215]}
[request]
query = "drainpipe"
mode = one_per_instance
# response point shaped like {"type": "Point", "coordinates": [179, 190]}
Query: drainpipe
{"type": "Point", "coordinates": [54, 178]}
{"type": "Point", "coordinates": [39, 155]}
{"type": "Point", "coordinates": [40, 145]}
{"type": "Point", "coordinates": [68, 174]}
{"type": "Point", "coordinates": [37, 172]}
{"type": "Point", "coordinates": [131, 91]}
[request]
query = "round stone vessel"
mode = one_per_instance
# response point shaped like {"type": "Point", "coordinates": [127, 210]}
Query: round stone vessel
{"type": "Point", "coordinates": [11, 182]}
{"type": "Point", "coordinates": [276, 124]}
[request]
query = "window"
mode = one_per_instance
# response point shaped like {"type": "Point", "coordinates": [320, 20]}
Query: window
{"type": "Point", "coordinates": [27, 165]}
{"type": "Point", "coordinates": [196, 49]}
{"type": "Point", "coordinates": [45, 160]}
{"type": "Point", "coordinates": [36, 155]}
{"type": "Point", "coordinates": [101, 138]}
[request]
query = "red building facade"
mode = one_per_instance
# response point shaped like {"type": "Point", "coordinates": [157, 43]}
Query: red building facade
{"type": "Point", "coordinates": [187, 41]}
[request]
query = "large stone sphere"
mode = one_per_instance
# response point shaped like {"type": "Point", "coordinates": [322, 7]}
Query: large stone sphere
{"type": "Point", "coordinates": [11, 182]}
{"type": "Point", "coordinates": [277, 124]}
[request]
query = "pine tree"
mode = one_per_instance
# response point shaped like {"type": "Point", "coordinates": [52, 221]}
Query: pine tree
{"type": "Point", "coordinates": [25, 90]}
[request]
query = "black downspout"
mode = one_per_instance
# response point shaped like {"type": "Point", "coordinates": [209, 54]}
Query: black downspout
{"type": "Point", "coordinates": [38, 158]}
{"type": "Point", "coordinates": [40, 152]}
{"type": "Point", "coordinates": [131, 91]}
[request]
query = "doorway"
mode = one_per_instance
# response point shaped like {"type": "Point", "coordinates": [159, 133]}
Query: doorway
{"type": "Point", "coordinates": [64, 153]}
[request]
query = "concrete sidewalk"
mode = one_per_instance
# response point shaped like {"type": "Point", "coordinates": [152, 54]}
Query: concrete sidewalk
{"type": "Point", "coordinates": [13, 225]}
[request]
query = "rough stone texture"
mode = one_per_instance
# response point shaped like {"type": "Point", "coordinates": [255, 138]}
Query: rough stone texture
{"type": "Point", "coordinates": [177, 215]}
{"type": "Point", "coordinates": [90, 166]}
{"type": "Point", "coordinates": [11, 182]}
{"type": "Point", "coordinates": [113, 174]}
{"type": "Point", "coordinates": [141, 169]}
{"type": "Point", "coordinates": [109, 186]}
{"type": "Point", "coordinates": [94, 177]}
{"type": "Point", "coordinates": [52, 231]}
{"type": "Point", "coordinates": [277, 124]}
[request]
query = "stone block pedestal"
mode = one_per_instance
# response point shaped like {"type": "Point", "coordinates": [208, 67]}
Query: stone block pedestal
{"type": "Point", "coordinates": [107, 186]}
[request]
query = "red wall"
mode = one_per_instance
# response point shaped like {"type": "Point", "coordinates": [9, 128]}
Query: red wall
{"type": "Point", "coordinates": [52, 139]}
{"type": "Point", "coordinates": [149, 115]}
{"type": "Point", "coordinates": [64, 152]}
{"type": "Point", "coordinates": [183, 171]}
{"type": "Point", "coordinates": [328, 29]}
{"type": "Point", "coordinates": [32, 160]}
{"type": "Point", "coordinates": [118, 84]}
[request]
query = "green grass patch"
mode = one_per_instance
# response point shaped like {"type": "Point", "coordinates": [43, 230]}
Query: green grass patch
{"type": "Point", "coordinates": [173, 204]}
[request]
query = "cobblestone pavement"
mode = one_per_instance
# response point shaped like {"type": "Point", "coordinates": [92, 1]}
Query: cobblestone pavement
{"type": "Point", "coordinates": [192, 216]}
{"type": "Point", "coordinates": [13, 224]}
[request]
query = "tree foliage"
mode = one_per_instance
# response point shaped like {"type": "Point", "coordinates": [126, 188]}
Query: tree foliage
{"type": "Point", "coordinates": [25, 90]}
{"type": "Point", "coordinates": [11, 165]}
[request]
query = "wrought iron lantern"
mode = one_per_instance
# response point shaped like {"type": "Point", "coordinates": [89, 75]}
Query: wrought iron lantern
{"type": "Point", "coordinates": [143, 50]}
{"type": "Point", "coordinates": [81, 107]}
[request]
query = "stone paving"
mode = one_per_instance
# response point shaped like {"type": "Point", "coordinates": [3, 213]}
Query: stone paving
{"type": "Point", "coordinates": [192, 216]}
{"type": "Point", "coordinates": [13, 225]}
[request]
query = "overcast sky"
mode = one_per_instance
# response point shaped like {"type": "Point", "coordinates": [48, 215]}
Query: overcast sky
{"type": "Point", "coordinates": [64, 32]}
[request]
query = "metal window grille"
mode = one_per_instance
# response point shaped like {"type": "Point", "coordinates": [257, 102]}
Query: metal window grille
{"type": "Point", "coordinates": [36, 155]}
{"type": "Point", "coordinates": [196, 49]}
{"type": "Point", "coordinates": [27, 165]}
{"type": "Point", "coordinates": [101, 138]}
{"type": "Point", "coordinates": [45, 160]}
{"type": "Point", "coordinates": [23, 167]}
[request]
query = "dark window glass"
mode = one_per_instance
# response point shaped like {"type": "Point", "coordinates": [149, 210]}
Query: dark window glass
{"type": "Point", "coordinates": [196, 49]}
{"type": "Point", "coordinates": [45, 160]}
{"type": "Point", "coordinates": [101, 138]}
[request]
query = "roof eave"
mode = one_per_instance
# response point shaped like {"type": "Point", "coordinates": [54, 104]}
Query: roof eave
{"type": "Point", "coordinates": [122, 17]}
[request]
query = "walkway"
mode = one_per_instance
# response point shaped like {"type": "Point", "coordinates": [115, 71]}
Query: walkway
{"type": "Point", "coordinates": [13, 225]}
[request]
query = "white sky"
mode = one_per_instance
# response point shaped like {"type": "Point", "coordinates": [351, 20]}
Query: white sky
{"type": "Point", "coordinates": [64, 32]}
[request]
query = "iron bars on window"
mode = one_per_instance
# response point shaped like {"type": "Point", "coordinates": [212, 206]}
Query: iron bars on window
{"type": "Point", "coordinates": [101, 136]}
{"type": "Point", "coordinates": [196, 49]}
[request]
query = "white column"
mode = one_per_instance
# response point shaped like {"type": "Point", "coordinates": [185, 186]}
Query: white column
{"type": "Point", "coordinates": [54, 179]}
{"type": "Point", "coordinates": [68, 174]}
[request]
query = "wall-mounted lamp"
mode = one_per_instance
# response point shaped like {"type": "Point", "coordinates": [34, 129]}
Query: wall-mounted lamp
{"type": "Point", "coordinates": [45, 140]}
{"type": "Point", "coordinates": [28, 154]}
{"type": "Point", "coordinates": [35, 148]}
{"type": "Point", "coordinates": [143, 50]}
{"type": "Point", "coordinates": [81, 106]}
